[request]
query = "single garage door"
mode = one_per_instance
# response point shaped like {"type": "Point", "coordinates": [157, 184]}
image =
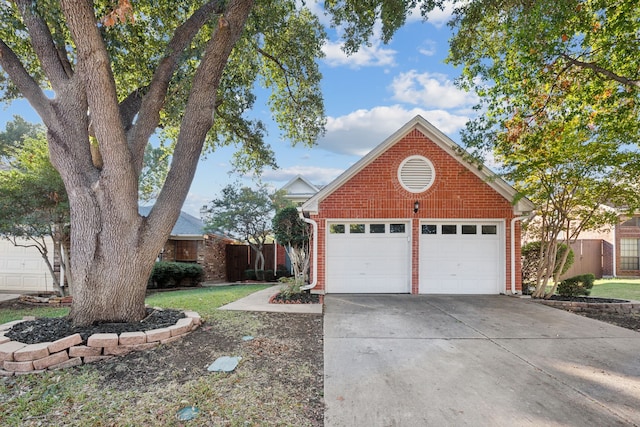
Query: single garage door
{"type": "Point", "coordinates": [368, 256]}
{"type": "Point", "coordinates": [461, 257]}
{"type": "Point", "coordinates": [23, 269]}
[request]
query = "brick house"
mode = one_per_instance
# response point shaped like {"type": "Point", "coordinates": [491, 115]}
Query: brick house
{"type": "Point", "coordinates": [416, 216]}
{"type": "Point", "coordinates": [189, 243]}
{"type": "Point", "coordinates": [611, 252]}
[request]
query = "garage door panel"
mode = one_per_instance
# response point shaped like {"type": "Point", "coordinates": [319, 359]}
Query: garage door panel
{"type": "Point", "coordinates": [368, 262]}
{"type": "Point", "coordinates": [461, 263]}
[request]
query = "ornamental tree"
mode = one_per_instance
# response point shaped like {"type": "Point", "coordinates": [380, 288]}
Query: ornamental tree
{"type": "Point", "coordinates": [244, 214]}
{"type": "Point", "coordinates": [294, 234]}
{"type": "Point", "coordinates": [559, 87]}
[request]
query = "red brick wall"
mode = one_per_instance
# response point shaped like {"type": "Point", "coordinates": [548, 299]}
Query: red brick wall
{"type": "Point", "coordinates": [375, 192]}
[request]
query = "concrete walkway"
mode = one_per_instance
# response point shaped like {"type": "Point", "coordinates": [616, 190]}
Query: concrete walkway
{"type": "Point", "coordinates": [8, 297]}
{"type": "Point", "coordinates": [425, 360]}
{"type": "Point", "coordinates": [259, 301]}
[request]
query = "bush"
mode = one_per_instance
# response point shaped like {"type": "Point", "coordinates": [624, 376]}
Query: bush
{"type": "Point", "coordinates": [250, 274]}
{"type": "Point", "coordinates": [283, 271]}
{"type": "Point", "coordinates": [174, 274]}
{"type": "Point", "coordinates": [290, 287]}
{"type": "Point", "coordinates": [576, 285]}
{"type": "Point", "coordinates": [269, 276]}
{"type": "Point", "coordinates": [531, 252]}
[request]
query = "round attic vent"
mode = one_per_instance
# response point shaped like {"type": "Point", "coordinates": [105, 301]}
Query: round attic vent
{"type": "Point", "coordinates": [416, 174]}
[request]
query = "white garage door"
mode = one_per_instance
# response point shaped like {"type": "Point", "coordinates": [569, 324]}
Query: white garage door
{"type": "Point", "coordinates": [23, 269]}
{"type": "Point", "coordinates": [461, 257]}
{"type": "Point", "coordinates": [368, 257]}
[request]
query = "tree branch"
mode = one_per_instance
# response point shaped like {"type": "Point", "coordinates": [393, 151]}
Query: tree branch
{"type": "Point", "coordinates": [601, 70]}
{"type": "Point", "coordinates": [43, 44]}
{"type": "Point", "coordinates": [284, 73]}
{"type": "Point", "coordinates": [153, 101]}
{"type": "Point", "coordinates": [29, 88]}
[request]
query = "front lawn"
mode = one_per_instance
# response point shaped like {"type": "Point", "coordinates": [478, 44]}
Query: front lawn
{"type": "Point", "coordinates": [203, 300]}
{"type": "Point", "coordinates": [278, 382]}
{"type": "Point", "coordinates": [620, 288]}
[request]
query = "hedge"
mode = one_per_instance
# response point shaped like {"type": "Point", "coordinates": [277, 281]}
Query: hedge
{"type": "Point", "coordinates": [175, 274]}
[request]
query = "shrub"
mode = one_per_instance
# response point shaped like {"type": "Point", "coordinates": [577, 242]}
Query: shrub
{"type": "Point", "coordinates": [576, 285]}
{"type": "Point", "coordinates": [283, 271]}
{"type": "Point", "coordinates": [173, 274]}
{"type": "Point", "coordinates": [269, 276]}
{"type": "Point", "coordinates": [250, 274]}
{"type": "Point", "coordinates": [290, 287]}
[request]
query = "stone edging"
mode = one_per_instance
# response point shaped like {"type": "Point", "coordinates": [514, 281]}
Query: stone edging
{"type": "Point", "coordinates": [610, 307]}
{"type": "Point", "coordinates": [18, 358]}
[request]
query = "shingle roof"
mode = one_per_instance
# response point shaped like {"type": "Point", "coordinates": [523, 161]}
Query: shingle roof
{"type": "Point", "coordinates": [186, 225]}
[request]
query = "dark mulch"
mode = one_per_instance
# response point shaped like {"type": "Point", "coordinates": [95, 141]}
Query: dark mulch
{"type": "Point", "coordinates": [52, 329]}
{"type": "Point", "coordinates": [301, 298]}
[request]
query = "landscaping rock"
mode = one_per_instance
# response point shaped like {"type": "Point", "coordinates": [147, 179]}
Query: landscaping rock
{"type": "Point", "coordinates": [224, 364]}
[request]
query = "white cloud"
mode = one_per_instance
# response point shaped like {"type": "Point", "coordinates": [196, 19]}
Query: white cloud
{"type": "Point", "coordinates": [194, 202]}
{"type": "Point", "coordinates": [430, 90]}
{"type": "Point", "coordinates": [427, 48]}
{"type": "Point", "coordinates": [367, 56]}
{"type": "Point", "coordinates": [360, 131]}
{"type": "Point", "coordinates": [316, 175]}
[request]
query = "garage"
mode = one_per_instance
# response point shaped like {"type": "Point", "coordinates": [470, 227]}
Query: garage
{"type": "Point", "coordinates": [23, 269]}
{"type": "Point", "coordinates": [368, 256]}
{"type": "Point", "coordinates": [461, 257]}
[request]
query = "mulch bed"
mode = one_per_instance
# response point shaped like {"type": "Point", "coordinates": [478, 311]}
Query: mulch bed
{"type": "Point", "coordinates": [52, 329]}
{"type": "Point", "coordinates": [301, 298]}
{"type": "Point", "coordinates": [594, 300]}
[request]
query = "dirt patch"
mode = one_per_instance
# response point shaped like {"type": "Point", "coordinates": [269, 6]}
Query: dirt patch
{"type": "Point", "coordinates": [301, 298]}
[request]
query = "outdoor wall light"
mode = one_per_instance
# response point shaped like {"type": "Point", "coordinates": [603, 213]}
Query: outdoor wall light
{"type": "Point", "coordinates": [416, 206]}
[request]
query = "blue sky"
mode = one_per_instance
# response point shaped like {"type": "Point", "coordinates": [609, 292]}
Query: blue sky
{"type": "Point", "coordinates": [368, 96]}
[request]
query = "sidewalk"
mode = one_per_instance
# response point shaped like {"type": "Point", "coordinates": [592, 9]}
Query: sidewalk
{"type": "Point", "coordinates": [8, 297]}
{"type": "Point", "coordinates": [259, 301]}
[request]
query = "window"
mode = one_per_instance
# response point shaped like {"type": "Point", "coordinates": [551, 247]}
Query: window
{"type": "Point", "coordinates": [356, 228]}
{"type": "Point", "coordinates": [489, 229]}
{"type": "Point", "coordinates": [396, 228]}
{"type": "Point", "coordinates": [377, 228]}
{"type": "Point", "coordinates": [469, 229]}
{"type": "Point", "coordinates": [429, 229]}
{"type": "Point", "coordinates": [186, 250]}
{"type": "Point", "coordinates": [336, 229]}
{"type": "Point", "coordinates": [633, 222]}
{"type": "Point", "coordinates": [630, 254]}
{"type": "Point", "coordinates": [449, 229]}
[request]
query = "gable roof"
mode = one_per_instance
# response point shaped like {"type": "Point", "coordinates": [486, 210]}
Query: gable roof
{"type": "Point", "coordinates": [523, 205]}
{"type": "Point", "coordinates": [186, 225]}
{"type": "Point", "coordinates": [300, 188]}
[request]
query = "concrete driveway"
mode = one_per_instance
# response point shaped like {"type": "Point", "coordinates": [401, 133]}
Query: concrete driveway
{"type": "Point", "coordinates": [424, 360]}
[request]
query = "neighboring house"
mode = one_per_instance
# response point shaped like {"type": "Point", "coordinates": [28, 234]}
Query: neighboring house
{"type": "Point", "coordinates": [189, 243]}
{"type": "Point", "coordinates": [611, 252]}
{"type": "Point", "coordinates": [415, 216]}
{"type": "Point", "coordinates": [299, 190]}
{"type": "Point", "coordinates": [22, 269]}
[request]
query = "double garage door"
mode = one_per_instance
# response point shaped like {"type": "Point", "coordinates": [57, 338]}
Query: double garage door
{"type": "Point", "coordinates": [455, 257]}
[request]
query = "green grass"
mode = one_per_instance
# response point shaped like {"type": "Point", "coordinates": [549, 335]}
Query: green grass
{"type": "Point", "coordinates": [7, 315]}
{"type": "Point", "coordinates": [620, 288]}
{"type": "Point", "coordinates": [203, 300]}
